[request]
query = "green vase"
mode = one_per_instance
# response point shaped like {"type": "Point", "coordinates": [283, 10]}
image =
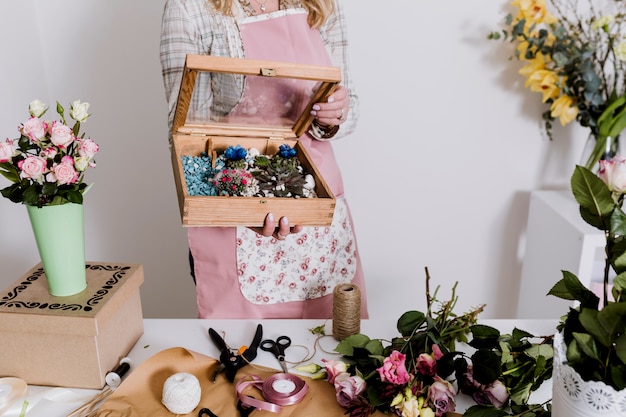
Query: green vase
{"type": "Point", "coordinates": [60, 235]}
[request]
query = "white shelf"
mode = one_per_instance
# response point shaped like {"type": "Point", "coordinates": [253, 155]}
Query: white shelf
{"type": "Point", "coordinates": [557, 239]}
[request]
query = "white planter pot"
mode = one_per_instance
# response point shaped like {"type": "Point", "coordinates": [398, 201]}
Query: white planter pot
{"type": "Point", "coordinates": [573, 397]}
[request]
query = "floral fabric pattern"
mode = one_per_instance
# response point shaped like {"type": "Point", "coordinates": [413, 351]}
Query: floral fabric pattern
{"type": "Point", "coordinates": [304, 266]}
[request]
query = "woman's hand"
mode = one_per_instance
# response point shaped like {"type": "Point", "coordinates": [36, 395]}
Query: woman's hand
{"type": "Point", "coordinates": [335, 111]}
{"type": "Point", "coordinates": [280, 231]}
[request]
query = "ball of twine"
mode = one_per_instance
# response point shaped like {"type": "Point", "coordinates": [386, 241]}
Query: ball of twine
{"type": "Point", "coordinates": [346, 311]}
{"type": "Point", "coordinates": [181, 393]}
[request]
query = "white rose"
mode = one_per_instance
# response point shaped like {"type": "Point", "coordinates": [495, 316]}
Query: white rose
{"type": "Point", "coordinates": [61, 135]}
{"type": "Point", "coordinates": [81, 163]}
{"type": "Point", "coordinates": [613, 173]}
{"type": "Point", "coordinates": [79, 111]}
{"type": "Point", "coordinates": [36, 108]}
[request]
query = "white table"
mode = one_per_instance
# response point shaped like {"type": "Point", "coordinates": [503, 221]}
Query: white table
{"type": "Point", "coordinates": [192, 334]}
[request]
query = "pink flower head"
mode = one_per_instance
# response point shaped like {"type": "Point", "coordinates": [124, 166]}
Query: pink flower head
{"type": "Point", "coordinates": [437, 353]}
{"type": "Point", "coordinates": [63, 173]}
{"type": "Point", "coordinates": [426, 364]}
{"type": "Point", "coordinates": [32, 167]}
{"type": "Point", "coordinates": [50, 152]}
{"type": "Point", "coordinates": [61, 135]}
{"type": "Point", "coordinates": [394, 369]}
{"type": "Point", "coordinates": [334, 368]}
{"type": "Point", "coordinates": [613, 173]}
{"type": "Point", "coordinates": [34, 129]}
{"type": "Point", "coordinates": [348, 388]}
{"type": "Point", "coordinates": [441, 395]}
{"type": "Point", "coordinates": [88, 148]}
{"type": "Point", "coordinates": [7, 148]}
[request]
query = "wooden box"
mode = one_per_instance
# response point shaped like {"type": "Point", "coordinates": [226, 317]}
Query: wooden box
{"type": "Point", "coordinates": [70, 341]}
{"type": "Point", "coordinates": [216, 134]}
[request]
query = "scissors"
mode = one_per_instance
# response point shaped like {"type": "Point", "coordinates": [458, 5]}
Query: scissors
{"type": "Point", "coordinates": [230, 362]}
{"type": "Point", "coordinates": [243, 411]}
{"type": "Point", "coordinates": [277, 348]}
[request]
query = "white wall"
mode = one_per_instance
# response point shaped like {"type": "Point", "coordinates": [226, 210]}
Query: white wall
{"type": "Point", "coordinates": [438, 174]}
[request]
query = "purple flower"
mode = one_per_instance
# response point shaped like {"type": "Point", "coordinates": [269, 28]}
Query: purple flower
{"type": "Point", "coordinates": [495, 393]}
{"type": "Point", "coordinates": [441, 395]}
{"type": "Point", "coordinates": [348, 388]}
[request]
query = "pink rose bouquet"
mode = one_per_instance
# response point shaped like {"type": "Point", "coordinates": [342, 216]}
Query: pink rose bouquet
{"type": "Point", "coordinates": [47, 163]}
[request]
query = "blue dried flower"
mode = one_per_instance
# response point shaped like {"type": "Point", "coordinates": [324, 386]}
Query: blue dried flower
{"type": "Point", "coordinates": [286, 151]}
{"type": "Point", "coordinates": [235, 153]}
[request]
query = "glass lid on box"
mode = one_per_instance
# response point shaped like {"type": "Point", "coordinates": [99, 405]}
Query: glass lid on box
{"type": "Point", "coordinates": [249, 100]}
{"type": "Point", "coordinates": [234, 93]}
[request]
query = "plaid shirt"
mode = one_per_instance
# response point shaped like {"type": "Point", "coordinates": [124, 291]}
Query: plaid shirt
{"type": "Point", "coordinates": [194, 27]}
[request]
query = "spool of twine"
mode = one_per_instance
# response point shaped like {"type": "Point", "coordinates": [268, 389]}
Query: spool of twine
{"type": "Point", "coordinates": [346, 311]}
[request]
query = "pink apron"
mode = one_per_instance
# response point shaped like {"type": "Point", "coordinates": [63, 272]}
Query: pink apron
{"type": "Point", "coordinates": [240, 274]}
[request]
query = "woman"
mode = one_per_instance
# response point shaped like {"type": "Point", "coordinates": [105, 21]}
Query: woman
{"type": "Point", "coordinates": [279, 271]}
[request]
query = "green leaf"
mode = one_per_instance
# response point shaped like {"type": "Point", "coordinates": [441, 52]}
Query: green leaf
{"type": "Point", "coordinates": [618, 376]}
{"type": "Point", "coordinates": [486, 366]}
{"type": "Point", "coordinates": [347, 345]}
{"type": "Point", "coordinates": [484, 411]}
{"type": "Point", "coordinates": [9, 172]}
{"type": "Point", "coordinates": [620, 348]}
{"type": "Point", "coordinates": [375, 347]}
{"type": "Point", "coordinates": [570, 288]}
{"type": "Point", "coordinates": [521, 393]}
{"type": "Point", "coordinates": [537, 351]}
{"type": "Point", "coordinates": [619, 287]}
{"type": "Point", "coordinates": [31, 196]}
{"type": "Point", "coordinates": [410, 321]}
{"type": "Point", "coordinates": [591, 322]}
{"type": "Point", "coordinates": [540, 367]}
{"type": "Point", "coordinates": [13, 193]}
{"type": "Point", "coordinates": [609, 120]}
{"type": "Point", "coordinates": [612, 318]}
{"type": "Point", "coordinates": [76, 128]}
{"type": "Point", "coordinates": [520, 334]}
{"type": "Point", "coordinates": [618, 222]}
{"type": "Point", "coordinates": [591, 193]}
{"type": "Point", "coordinates": [75, 197]}
{"type": "Point", "coordinates": [484, 336]}
{"type": "Point", "coordinates": [587, 345]}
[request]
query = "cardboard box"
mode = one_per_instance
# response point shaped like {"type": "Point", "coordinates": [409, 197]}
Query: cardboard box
{"type": "Point", "coordinates": [70, 341]}
{"type": "Point", "coordinates": [192, 139]}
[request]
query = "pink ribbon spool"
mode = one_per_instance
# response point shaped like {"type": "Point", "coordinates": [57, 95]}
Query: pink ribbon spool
{"type": "Point", "coordinates": [278, 390]}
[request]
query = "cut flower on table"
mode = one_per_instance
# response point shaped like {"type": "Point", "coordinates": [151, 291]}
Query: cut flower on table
{"type": "Point", "coordinates": [436, 357]}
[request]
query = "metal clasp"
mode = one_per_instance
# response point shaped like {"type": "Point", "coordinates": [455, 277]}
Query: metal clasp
{"type": "Point", "coordinates": [268, 72]}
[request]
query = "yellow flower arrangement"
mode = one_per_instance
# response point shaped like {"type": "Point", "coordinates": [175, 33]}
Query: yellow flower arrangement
{"type": "Point", "coordinates": [576, 58]}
